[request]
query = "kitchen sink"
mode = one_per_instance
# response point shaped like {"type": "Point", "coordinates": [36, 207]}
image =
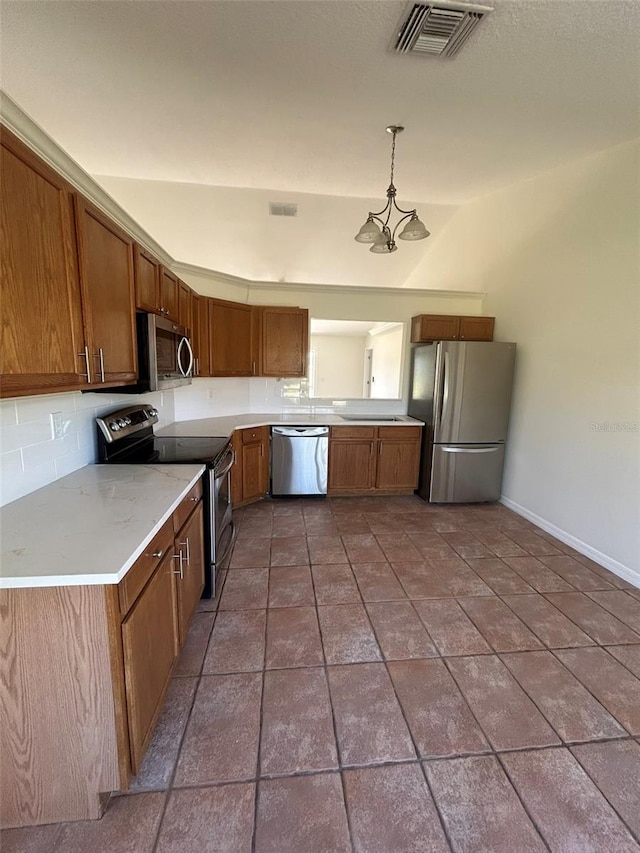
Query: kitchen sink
{"type": "Point", "coordinates": [370, 418]}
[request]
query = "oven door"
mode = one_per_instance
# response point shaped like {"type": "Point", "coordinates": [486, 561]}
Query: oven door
{"type": "Point", "coordinates": [220, 507]}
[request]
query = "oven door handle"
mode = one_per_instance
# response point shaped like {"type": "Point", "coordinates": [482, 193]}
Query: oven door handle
{"type": "Point", "coordinates": [186, 372]}
{"type": "Point", "coordinates": [218, 475]}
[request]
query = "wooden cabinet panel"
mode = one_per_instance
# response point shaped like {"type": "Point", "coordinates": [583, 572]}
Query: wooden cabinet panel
{"type": "Point", "coordinates": [449, 327]}
{"type": "Point", "coordinates": [169, 295]}
{"type": "Point", "coordinates": [351, 465]}
{"type": "Point", "coordinates": [434, 327]}
{"type": "Point", "coordinates": [341, 432]}
{"type": "Point", "coordinates": [42, 345]}
{"type": "Point", "coordinates": [184, 304]}
{"type": "Point", "coordinates": [190, 543]}
{"type": "Point", "coordinates": [476, 328]}
{"type": "Point", "coordinates": [149, 640]}
{"type": "Point", "coordinates": [255, 463]}
{"type": "Point", "coordinates": [147, 280]}
{"type": "Point", "coordinates": [398, 464]}
{"type": "Point", "coordinates": [186, 505]}
{"type": "Point", "coordinates": [231, 344]}
{"type": "Point", "coordinates": [106, 278]}
{"type": "Point", "coordinates": [200, 334]}
{"type": "Point", "coordinates": [136, 578]}
{"type": "Point", "coordinates": [285, 341]}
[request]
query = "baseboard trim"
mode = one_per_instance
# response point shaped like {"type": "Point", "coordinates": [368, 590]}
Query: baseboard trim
{"type": "Point", "coordinates": [614, 566]}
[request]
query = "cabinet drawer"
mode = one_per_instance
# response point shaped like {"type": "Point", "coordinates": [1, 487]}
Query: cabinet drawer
{"type": "Point", "coordinates": [340, 432]}
{"type": "Point", "coordinates": [400, 433]}
{"type": "Point", "coordinates": [187, 505]}
{"type": "Point", "coordinates": [255, 434]}
{"type": "Point", "coordinates": [136, 578]}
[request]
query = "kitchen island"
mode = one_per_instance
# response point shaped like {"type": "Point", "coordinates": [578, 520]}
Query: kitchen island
{"type": "Point", "coordinates": [91, 612]}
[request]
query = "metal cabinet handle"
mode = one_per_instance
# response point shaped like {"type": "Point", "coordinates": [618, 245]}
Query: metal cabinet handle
{"type": "Point", "coordinates": [157, 554]}
{"type": "Point", "coordinates": [179, 570]}
{"type": "Point", "coordinates": [194, 500]}
{"type": "Point", "coordinates": [186, 545]}
{"type": "Point", "coordinates": [85, 355]}
{"type": "Point", "coordinates": [253, 368]}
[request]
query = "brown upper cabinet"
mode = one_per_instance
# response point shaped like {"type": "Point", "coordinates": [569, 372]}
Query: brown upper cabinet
{"type": "Point", "coordinates": [42, 348]}
{"type": "Point", "coordinates": [284, 341]}
{"type": "Point", "coordinates": [449, 327]}
{"type": "Point", "coordinates": [232, 339]}
{"type": "Point", "coordinates": [147, 279]}
{"type": "Point", "coordinates": [169, 305]}
{"type": "Point", "coordinates": [200, 335]}
{"type": "Point", "coordinates": [105, 255]}
{"type": "Point", "coordinates": [184, 305]}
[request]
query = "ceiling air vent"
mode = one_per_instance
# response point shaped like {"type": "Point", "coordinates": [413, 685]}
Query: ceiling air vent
{"type": "Point", "coordinates": [277, 208]}
{"type": "Point", "coordinates": [438, 30]}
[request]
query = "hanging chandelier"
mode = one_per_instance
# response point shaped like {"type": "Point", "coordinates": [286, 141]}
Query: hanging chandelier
{"type": "Point", "coordinates": [377, 230]}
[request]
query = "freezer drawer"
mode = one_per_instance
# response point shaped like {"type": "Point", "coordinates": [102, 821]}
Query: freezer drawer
{"type": "Point", "coordinates": [466, 473]}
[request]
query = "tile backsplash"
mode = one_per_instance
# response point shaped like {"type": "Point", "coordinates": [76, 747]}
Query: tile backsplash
{"type": "Point", "coordinates": [30, 456]}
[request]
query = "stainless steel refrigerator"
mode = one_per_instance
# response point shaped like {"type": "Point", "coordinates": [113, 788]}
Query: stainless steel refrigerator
{"type": "Point", "coordinates": [462, 391]}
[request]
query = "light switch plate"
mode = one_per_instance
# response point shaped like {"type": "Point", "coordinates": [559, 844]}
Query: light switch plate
{"type": "Point", "coordinates": [57, 425]}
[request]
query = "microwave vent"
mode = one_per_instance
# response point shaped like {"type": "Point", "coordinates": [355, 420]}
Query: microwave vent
{"type": "Point", "coordinates": [438, 30]}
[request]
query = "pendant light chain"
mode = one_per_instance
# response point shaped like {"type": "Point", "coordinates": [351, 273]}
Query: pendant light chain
{"type": "Point", "coordinates": [393, 154]}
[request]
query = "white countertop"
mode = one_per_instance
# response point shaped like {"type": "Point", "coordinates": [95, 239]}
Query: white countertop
{"type": "Point", "coordinates": [226, 425]}
{"type": "Point", "coordinates": [91, 526]}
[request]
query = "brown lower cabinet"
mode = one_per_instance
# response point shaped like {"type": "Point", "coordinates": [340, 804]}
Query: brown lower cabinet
{"type": "Point", "coordinates": [91, 668]}
{"type": "Point", "coordinates": [374, 459]}
{"type": "Point", "coordinates": [250, 473]}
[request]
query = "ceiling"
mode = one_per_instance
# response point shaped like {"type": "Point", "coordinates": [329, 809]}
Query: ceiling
{"type": "Point", "coordinates": [194, 115]}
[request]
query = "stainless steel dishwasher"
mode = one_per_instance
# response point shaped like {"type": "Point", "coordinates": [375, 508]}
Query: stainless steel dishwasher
{"type": "Point", "coordinates": [299, 460]}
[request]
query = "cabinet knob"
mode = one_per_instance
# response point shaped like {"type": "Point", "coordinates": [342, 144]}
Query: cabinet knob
{"type": "Point", "coordinates": [157, 554]}
{"type": "Point", "coordinates": [194, 500]}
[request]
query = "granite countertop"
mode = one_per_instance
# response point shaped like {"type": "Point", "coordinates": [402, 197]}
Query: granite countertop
{"type": "Point", "coordinates": [90, 526]}
{"type": "Point", "coordinates": [226, 425]}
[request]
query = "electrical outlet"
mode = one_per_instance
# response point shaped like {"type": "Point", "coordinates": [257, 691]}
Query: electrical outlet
{"type": "Point", "coordinates": [57, 426]}
{"type": "Point", "coordinates": [210, 394]}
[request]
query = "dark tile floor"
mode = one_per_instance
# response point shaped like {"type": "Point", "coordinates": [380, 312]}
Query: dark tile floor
{"type": "Point", "coordinates": [382, 676]}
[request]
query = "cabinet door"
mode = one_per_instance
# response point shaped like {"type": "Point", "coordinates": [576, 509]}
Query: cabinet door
{"type": "Point", "coordinates": [351, 465]}
{"type": "Point", "coordinates": [184, 304]}
{"type": "Point", "coordinates": [285, 341]}
{"type": "Point", "coordinates": [204, 338]}
{"type": "Point", "coordinates": [169, 295]}
{"type": "Point", "coordinates": [398, 464]}
{"type": "Point", "coordinates": [106, 278]}
{"type": "Point", "coordinates": [230, 325]}
{"type": "Point", "coordinates": [150, 647]}
{"type": "Point", "coordinates": [190, 542]}
{"type": "Point", "coordinates": [476, 328]}
{"type": "Point", "coordinates": [147, 280]}
{"type": "Point", "coordinates": [42, 345]}
{"type": "Point", "coordinates": [255, 470]}
{"type": "Point", "coordinates": [434, 327]}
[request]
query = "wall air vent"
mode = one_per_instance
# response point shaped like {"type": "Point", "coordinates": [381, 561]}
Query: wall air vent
{"type": "Point", "coordinates": [438, 30]}
{"type": "Point", "coordinates": [278, 208]}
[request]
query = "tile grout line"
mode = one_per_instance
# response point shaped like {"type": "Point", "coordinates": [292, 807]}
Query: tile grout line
{"type": "Point", "coordinates": [263, 674]}
{"type": "Point", "coordinates": [522, 802]}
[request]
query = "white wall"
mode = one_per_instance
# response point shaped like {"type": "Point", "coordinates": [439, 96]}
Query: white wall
{"type": "Point", "coordinates": [339, 365]}
{"type": "Point", "coordinates": [387, 362]}
{"type": "Point", "coordinates": [559, 257]}
{"type": "Point", "coordinates": [29, 455]}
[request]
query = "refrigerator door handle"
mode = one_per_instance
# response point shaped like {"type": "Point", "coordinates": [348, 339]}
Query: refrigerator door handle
{"type": "Point", "coordinates": [471, 449]}
{"type": "Point", "coordinates": [438, 392]}
{"type": "Point", "coordinates": [445, 394]}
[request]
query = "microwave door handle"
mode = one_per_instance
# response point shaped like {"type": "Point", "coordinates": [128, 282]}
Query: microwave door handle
{"type": "Point", "coordinates": [186, 372]}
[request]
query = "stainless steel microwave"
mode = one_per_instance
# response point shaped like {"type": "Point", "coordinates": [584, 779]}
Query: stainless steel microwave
{"type": "Point", "coordinates": [165, 356]}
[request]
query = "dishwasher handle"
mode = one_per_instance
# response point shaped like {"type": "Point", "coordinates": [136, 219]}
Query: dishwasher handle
{"type": "Point", "coordinates": [300, 432]}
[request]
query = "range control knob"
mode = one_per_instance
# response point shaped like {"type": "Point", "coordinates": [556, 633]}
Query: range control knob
{"type": "Point", "coordinates": [121, 423]}
{"type": "Point", "coordinates": [113, 426]}
{"type": "Point", "coordinates": [153, 412]}
{"type": "Point", "coordinates": [127, 421]}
